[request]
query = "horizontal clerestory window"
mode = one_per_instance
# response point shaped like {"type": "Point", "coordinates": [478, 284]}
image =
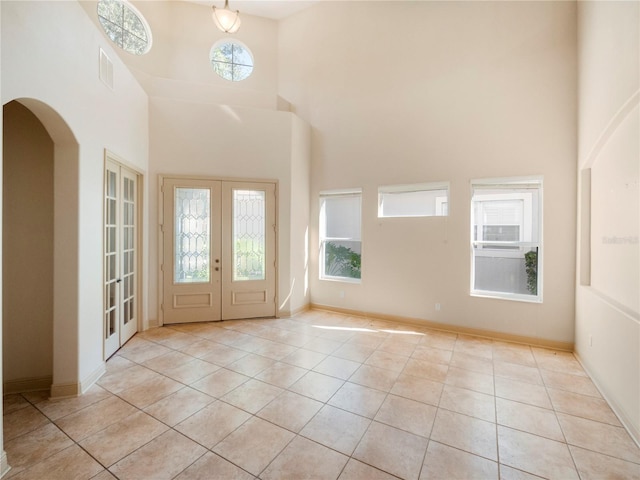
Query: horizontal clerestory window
{"type": "Point", "coordinates": [416, 200]}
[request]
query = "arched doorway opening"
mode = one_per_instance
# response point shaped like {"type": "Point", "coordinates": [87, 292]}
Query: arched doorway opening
{"type": "Point", "coordinates": [40, 248]}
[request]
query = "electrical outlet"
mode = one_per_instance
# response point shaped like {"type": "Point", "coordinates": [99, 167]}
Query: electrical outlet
{"type": "Point", "coordinates": [438, 307]}
{"type": "Point", "coordinates": [341, 294]}
{"type": "Point", "coordinates": [591, 340]}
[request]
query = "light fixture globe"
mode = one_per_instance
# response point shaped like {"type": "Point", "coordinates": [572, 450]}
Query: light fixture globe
{"type": "Point", "coordinates": [226, 19]}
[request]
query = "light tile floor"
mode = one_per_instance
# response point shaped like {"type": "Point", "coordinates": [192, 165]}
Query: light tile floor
{"type": "Point", "coordinates": [322, 395]}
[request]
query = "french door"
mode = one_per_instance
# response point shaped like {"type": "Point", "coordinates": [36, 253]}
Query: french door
{"type": "Point", "coordinates": [219, 241]}
{"type": "Point", "coordinates": [120, 256]}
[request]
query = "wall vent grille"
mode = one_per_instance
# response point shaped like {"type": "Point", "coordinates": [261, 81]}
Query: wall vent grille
{"type": "Point", "coordinates": [106, 69]}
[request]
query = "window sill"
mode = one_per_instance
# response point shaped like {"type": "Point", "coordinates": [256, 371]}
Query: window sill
{"type": "Point", "coordinates": [510, 297]}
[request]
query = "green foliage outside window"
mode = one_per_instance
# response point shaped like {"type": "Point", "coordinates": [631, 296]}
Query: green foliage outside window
{"type": "Point", "coordinates": [531, 267]}
{"type": "Point", "coordinates": [341, 261]}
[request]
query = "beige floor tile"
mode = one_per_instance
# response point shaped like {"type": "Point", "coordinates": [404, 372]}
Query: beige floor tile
{"type": "Point", "coordinates": [36, 396]}
{"type": "Point", "coordinates": [535, 454]}
{"type": "Point", "coordinates": [191, 372]}
{"type": "Point", "coordinates": [444, 462]}
{"type": "Point", "coordinates": [409, 415]}
{"type": "Point", "coordinates": [251, 364]}
{"type": "Point", "coordinates": [72, 463]}
{"type": "Point", "coordinates": [168, 361]}
{"type": "Point", "coordinates": [95, 417]}
{"type": "Point", "coordinates": [371, 339]}
{"type": "Point", "coordinates": [322, 345]}
{"type": "Point", "coordinates": [150, 391]}
{"type": "Point", "coordinates": [583, 406]}
{"type": "Point", "coordinates": [251, 343]}
{"type": "Point", "coordinates": [142, 353]}
{"type": "Point", "coordinates": [220, 382]}
{"type": "Point", "coordinates": [22, 421]}
{"type": "Point", "coordinates": [479, 347]}
{"type": "Point", "coordinates": [336, 429]}
{"type": "Point", "coordinates": [528, 418]}
{"type": "Point", "coordinates": [471, 380]}
{"type": "Point", "coordinates": [161, 459]}
{"type": "Point", "coordinates": [521, 373]}
{"type": "Point", "coordinates": [13, 402]}
{"type": "Point", "coordinates": [222, 354]}
{"type": "Point", "coordinates": [388, 361]}
{"type": "Point", "coordinates": [419, 389]}
{"type": "Point", "coordinates": [358, 399]}
{"type": "Point", "coordinates": [303, 458]}
{"type": "Point", "coordinates": [222, 335]}
{"type": "Point", "coordinates": [179, 341]}
{"type": "Point", "coordinates": [337, 367]}
{"type": "Point", "coordinates": [466, 433]}
{"type": "Point", "coordinates": [354, 352]}
{"type": "Point", "coordinates": [513, 353]}
{"type": "Point", "coordinates": [55, 409]}
{"type": "Point", "coordinates": [254, 445]}
{"type": "Point", "coordinates": [118, 363]}
{"type": "Point", "coordinates": [570, 383]}
{"type": "Point", "coordinates": [595, 466]}
{"type": "Point", "coordinates": [304, 358]}
{"type": "Point", "coordinates": [443, 340]}
{"type": "Point", "coordinates": [472, 362]}
{"type": "Point", "coordinates": [397, 347]}
{"type": "Point", "coordinates": [116, 382]}
{"type": "Point", "coordinates": [522, 392]}
{"type": "Point", "coordinates": [178, 406]}
{"type": "Point", "coordinates": [290, 411]}
{"type": "Point", "coordinates": [317, 386]}
{"type": "Point", "coordinates": [508, 473]}
{"type": "Point", "coordinates": [468, 402]}
{"type": "Point", "coordinates": [213, 423]}
{"type": "Point", "coordinates": [282, 374]}
{"type": "Point", "coordinates": [374, 377]}
{"type": "Point", "coordinates": [275, 350]}
{"type": "Point", "coordinates": [35, 446]}
{"type": "Point", "coordinates": [404, 461]}
{"type": "Point", "coordinates": [158, 334]}
{"type": "Point", "coordinates": [213, 467]}
{"type": "Point", "coordinates": [252, 396]}
{"type": "Point", "coordinates": [120, 439]}
{"type": "Point", "coordinates": [104, 475]}
{"type": "Point", "coordinates": [424, 369]}
{"type": "Point", "coordinates": [599, 437]}
{"type": "Point", "coordinates": [355, 470]}
{"type": "Point", "coordinates": [431, 354]}
{"type": "Point", "coordinates": [199, 348]}
{"type": "Point", "coordinates": [557, 361]}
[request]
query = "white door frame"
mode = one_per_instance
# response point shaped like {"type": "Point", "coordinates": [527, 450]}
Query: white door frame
{"type": "Point", "coordinates": [161, 179]}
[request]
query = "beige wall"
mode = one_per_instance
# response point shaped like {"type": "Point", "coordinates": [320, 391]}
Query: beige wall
{"type": "Point", "coordinates": [27, 247]}
{"type": "Point", "coordinates": [83, 117]}
{"type": "Point", "coordinates": [439, 91]}
{"type": "Point", "coordinates": [608, 298]}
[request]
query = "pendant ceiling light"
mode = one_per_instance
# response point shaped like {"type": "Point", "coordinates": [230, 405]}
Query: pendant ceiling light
{"type": "Point", "coordinates": [226, 19]}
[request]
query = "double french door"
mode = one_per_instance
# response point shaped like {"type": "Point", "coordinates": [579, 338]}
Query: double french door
{"type": "Point", "coordinates": [120, 256]}
{"type": "Point", "coordinates": [219, 241]}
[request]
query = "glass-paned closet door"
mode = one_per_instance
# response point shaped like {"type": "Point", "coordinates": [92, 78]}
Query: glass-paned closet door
{"type": "Point", "coordinates": [111, 337]}
{"type": "Point", "coordinates": [120, 256]}
{"type": "Point", "coordinates": [129, 234]}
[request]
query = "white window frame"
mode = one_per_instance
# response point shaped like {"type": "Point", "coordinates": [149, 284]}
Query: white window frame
{"type": "Point", "coordinates": [323, 238]}
{"type": "Point", "coordinates": [441, 204]}
{"type": "Point", "coordinates": [482, 248]}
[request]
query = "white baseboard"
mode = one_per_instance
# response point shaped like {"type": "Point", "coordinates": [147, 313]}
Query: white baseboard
{"type": "Point", "coordinates": [4, 464]}
{"type": "Point", "coordinates": [93, 377]}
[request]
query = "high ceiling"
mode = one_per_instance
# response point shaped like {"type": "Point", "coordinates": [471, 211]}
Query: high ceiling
{"type": "Point", "coordinates": [275, 9]}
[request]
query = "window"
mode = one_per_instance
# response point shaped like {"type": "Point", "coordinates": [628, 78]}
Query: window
{"type": "Point", "coordinates": [231, 60]}
{"type": "Point", "coordinates": [506, 233]}
{"type": "Point", "coordinates": [418, 200]}
{"type": "Point", "coordinates": [125, 26]}
{"type": "Point", "coordinates": [340, 244]}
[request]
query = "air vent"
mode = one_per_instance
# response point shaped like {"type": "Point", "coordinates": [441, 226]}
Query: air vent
{"type": "Point", "coordinates": [106, 70]}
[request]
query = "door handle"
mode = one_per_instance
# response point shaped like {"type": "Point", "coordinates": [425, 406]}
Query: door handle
{"type": "Point", "coordinates": [118, 280]}
{"type": "Point", "coordinates": [217, 269]}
